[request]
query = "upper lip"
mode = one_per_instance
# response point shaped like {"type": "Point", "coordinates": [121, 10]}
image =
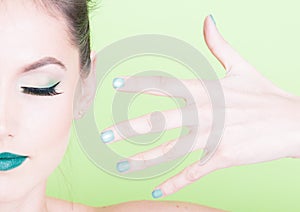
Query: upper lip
{"type": "Point", "coordinates": [9, 155]}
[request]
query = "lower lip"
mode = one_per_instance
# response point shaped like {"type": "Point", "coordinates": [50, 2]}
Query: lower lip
{"type": "Point", "coordinates": [11, 163]}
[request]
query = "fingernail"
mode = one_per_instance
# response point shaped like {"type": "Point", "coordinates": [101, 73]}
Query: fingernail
{"type": "Point", "coordinates": [123, 166]}
{"type": "Point", "coordinates": [212, 18]}
{"type": "Point", "coordinates": [157, 193]}
{"type": "Point", "coordinates": [107, 136]}
{"type": "Point", "coordinates": [118, 83]}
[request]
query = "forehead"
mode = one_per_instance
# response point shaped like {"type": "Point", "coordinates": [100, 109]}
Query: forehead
{"type": "Point", "coordinates": [28, 18]}
{"type": "Point", "coordinates": [28, 32]}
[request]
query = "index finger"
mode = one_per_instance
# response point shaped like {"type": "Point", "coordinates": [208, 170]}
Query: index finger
{"type": "Point", "coordinates": [158, 85]}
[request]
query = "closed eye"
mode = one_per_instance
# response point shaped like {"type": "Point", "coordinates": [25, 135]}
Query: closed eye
{"type": "Point", "coordinates": [50, 91]}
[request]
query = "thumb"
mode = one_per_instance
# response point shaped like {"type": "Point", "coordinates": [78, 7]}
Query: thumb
{"type": "Point", "coordinates": [227, 56]}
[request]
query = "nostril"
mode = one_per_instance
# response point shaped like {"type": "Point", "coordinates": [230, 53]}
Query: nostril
{"type": "Point", "coordinates": [4, 133]}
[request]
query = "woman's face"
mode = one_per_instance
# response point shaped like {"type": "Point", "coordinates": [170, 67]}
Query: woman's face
{"type": "Point", "coordinates": [34, 53]}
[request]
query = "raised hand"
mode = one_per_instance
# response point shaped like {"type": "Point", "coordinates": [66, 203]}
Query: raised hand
{"type": "Point", "coordinates": [261, 120]}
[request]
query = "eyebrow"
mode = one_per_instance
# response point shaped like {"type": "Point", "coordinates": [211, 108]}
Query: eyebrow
{"type": "Point", "coordinates": [43, 62]}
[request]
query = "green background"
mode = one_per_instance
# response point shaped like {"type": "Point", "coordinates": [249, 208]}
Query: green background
{"type": "Point", "coordinates": [266, 33]}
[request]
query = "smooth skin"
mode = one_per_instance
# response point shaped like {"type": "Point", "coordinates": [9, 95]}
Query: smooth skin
{"type": "Point", "coordinates": [261, 121]}
{"type": "Point", "coordinates": [39, 126]}
{"type": "Point", "coordinates": [133, 206]}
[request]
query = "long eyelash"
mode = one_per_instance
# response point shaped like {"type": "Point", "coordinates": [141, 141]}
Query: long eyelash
{"type": "Point", "coordinates": [41, 91]}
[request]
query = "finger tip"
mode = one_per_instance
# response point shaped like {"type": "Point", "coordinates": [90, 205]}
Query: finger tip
{"type": "Point", "coordinates": [211, 17]}
{"type": "Point", "coordinates": [209, 23]}
{"type": "Point", "coordinates": [123, 166]}
{"type": "Point", "coordinates": [107, 136]}
{"type": "Point", "coordinates": [118, 82]}
{"type": "Point", "coordinates": [157, 193]}
{"type": "Point", "coordinates": [207, 18]}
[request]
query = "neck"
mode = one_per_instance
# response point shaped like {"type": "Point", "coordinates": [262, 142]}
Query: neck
{"type": "Point", "coordinates": [33, 201]}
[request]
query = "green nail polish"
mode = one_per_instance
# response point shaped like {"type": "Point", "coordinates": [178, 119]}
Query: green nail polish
{"type": "Point", "coordinates": [107, 136]}
{"type": "Point", "coordinates": [123, 166]}
{"type": "Point", "coordinates": [157, 193]}
{"type": "Point", "coordinates": [212, 18]}
{"type": "Point", "coordinates": [118, 83]}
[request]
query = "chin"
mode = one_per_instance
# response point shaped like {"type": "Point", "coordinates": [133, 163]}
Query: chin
{"type": "Point", "coordinates": [19, 182]}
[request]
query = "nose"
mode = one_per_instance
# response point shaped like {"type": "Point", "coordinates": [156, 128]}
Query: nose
{"type": "Point", "coordinates": [6, 111]}
{"type": "Point", "coordinates": [4, 133]}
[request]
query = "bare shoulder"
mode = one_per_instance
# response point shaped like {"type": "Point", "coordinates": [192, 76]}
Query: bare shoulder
{"type": "Point", "coordinates": [156, 206]}
{"type": "Point", "coordinates": [133, 206]}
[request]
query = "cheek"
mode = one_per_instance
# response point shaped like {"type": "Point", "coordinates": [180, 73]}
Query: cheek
{"type": "Point", "coordinates": [48, 121]}
{"type": "Point", "coordinates": [42, 126]}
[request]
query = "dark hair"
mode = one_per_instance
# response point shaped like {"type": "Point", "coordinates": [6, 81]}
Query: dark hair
{"type": "Point", "coordinates": [76, 17]}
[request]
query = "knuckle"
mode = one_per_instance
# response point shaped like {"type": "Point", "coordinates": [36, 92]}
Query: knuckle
{"type": "Point", "coordinates": [166, 147]}
{"type": "Point", "coordinates": [124, 129]}
{"type": "Point", "coordinates": [140, 157]}
{"type": "Point", "coordinates": [194, 85]}
{"type": "Point", "coordinates": [153, 122]}
{"type": "Point", "coordinates": [157, 121]}
{"type": "Point", "coordinates": [224, 157]}
{"type": "Point", "coordinates": [167, 150]}
{"type": "Point", "coordinates": [192, 174]}
{"type": "Point", "coordinates": [148, 124]}
{"type": "Point", "coordinates": [161, 81]}
{"type": "Point", "coordinates": [173, 187]}
{"type": "Point", "coordinates": [141, 125]}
